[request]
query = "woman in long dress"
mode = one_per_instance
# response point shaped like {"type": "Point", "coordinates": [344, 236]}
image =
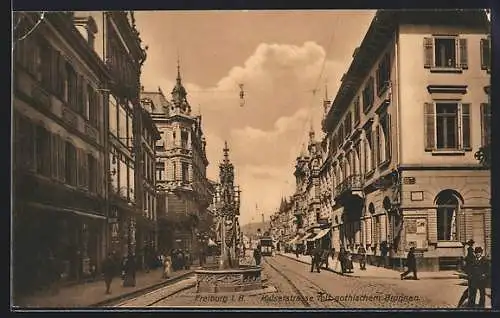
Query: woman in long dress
{"type": "Point", "coordinates": [167, 267]}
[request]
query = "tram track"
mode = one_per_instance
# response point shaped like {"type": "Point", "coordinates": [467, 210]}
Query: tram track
{"type": "Point", "coordinates": [160, 294]}
{"type": "Point", "coordinates": [321, 297]}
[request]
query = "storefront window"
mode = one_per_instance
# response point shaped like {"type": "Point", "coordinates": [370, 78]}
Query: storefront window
{"type": "Point", "coordinates": [123, 178]}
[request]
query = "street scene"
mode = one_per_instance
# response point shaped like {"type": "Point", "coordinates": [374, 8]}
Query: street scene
{"type": "Point", "coordinates": [251, 159]}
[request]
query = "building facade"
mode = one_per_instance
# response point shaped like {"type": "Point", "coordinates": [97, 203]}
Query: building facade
{"type": "Point", "coordinates": [59, 152]}
{"type": "Point", "coordinates": [403, 129]}
{"type": "Point", "coordinates": [184, 190]}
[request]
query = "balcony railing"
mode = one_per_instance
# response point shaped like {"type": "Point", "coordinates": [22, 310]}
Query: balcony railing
{"type": "Point", "coordinates": [351, 183]}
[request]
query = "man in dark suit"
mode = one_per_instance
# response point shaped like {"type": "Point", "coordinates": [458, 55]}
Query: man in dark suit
{"type": "Point", "coordinates": [479, 273]}
{"type": "Point", "coordinates": [411, 263]}
{"type": "Point", "coordinates": [316, 259]}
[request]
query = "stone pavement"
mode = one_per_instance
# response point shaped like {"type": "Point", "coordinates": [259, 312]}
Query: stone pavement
{"type": "Point", "coordinates": [374, 271]}
{"type": "Point", "coordinates": [93, 294]}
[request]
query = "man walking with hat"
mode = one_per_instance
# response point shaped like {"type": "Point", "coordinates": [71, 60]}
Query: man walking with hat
{"type": "Point", "coordinates": [479, 273]}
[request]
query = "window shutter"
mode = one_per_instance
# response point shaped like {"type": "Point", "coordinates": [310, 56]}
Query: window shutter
{"type": "Point", "coordinates": [485, 54]}
{"type": "Point", "coordinates": [62, 159]}
{"type": "Point", "coordinates": [62, 76]}
{"type": "Point", "coordinates": [485, 124]}
{"type": "Point", "coordinates": [54, 69]}
{"type": "Point", "coordinates": [429, 114]}
{"type": "Point", "coordinates": [466, 126]}
{"type": "Point", "coordinates": [428, 52]}
{"type": "Point", "coordinates": [378, 157]}
{"type": "Point", "coordinates": [463, 53]}
{"type": "Point", "coordinates": [54, 155]}
{"type": "Point", "coordinates": [388, 138]}
{"type": "Point", "coordinates": [86, 169]}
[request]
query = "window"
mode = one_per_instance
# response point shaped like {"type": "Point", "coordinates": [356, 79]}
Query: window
{"type": "Point", "coordinates": [348, 124]}
{"type": "Point", "coordinates": [43, 155]}
{"type": "Point", "coordinates": [82, 98]}
{"type": "Point", "coordinates": [130, 130]}
{"type": "Point", "coordinates": [123, 178]}
{"type": "Point", "coordinates": [71, 164]}
{"type": "Point", "coordinates": [131, 181]}
{"type": "Point", "coordinates": [113, 169]}
{"type": "Point", "coordinates": [122, 124]}
{"type": "Point", "coordinates": [368, 95]}
{"type": "Point", "coordinates": [486, 54]}
{"type": "Point", "coordinates": [383, 74]}
{"type": "Point", "coordinates": [445, 52]}
{"type": "Point", "coordinates": [71, 87]}
{"type": "Point", "coordinates": [93, 106]}
{"type": "Point", "coordinates": [357, 118]}
{"type": "Point", "coordinates": [485, 124]}
{"type": "Point", "coordinates": [447, 209]}
{"type": "Point", "coordinates": [92, 173]}
{"type": "Point", "coordinates": [369, 151]}
{"type": "Point", "coordinates": [447, 126]}
{"type": "Point", "coordinates": [358, 158]}
{"type": "Point", "coordinates": [113, 115]}
{"type": "Point", "coordinates": [185, 172]}
{"type": "Point", "coordinates": [82, 168]}
{"type": "Point", "coordinates": [160, 171]}
{"type": "Point", "coordinates": [46, 66]}
{"type": "Point", "coordinates": [385, 138]}
{"type": "Point", "coordinates": [184, 139]}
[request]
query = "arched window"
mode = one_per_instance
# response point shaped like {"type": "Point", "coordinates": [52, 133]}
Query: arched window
{"type": "Point", "coordinates": [448, 202]}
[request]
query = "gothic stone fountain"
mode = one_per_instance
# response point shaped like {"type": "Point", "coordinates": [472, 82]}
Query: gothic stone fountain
{"type": "Point", "coordinates": [229, 276]}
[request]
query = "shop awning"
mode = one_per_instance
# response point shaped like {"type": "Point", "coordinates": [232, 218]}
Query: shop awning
{"type": "Point", "coordinates": [320, 234]}
{"type": "Point", "coordinates": [65, 210]}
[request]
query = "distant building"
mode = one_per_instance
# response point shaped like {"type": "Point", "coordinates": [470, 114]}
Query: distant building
{"type": "Point", "coordinates": [184, 193]}
{"type": "Point", "coordinates": [402, 132]}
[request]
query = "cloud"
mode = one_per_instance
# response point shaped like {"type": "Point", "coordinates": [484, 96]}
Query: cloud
{"type": "Point", "coordinates": [267, 133]}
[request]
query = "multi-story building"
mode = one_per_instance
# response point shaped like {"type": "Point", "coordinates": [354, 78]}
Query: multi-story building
{"type": "Point", "coordinates": [59, 154]}
{"type": "Point", "coordinates": [184, 190]}
{"type": "Point", "coordinates": [147, 233]}
{"type": "Point", "coordinates": [403, 129]}
{"type": "Point", "coordinates": [117, 43]}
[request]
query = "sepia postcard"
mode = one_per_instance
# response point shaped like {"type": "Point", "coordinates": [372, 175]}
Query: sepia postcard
{"type": "Point", "coordinates": [294, 159]}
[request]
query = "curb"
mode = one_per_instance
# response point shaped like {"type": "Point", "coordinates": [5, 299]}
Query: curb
{"type": "Point", "coordinates": [138, 292]}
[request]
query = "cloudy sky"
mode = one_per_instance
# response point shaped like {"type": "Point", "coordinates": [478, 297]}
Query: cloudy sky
{"type": "Point", "coordinates": [280, 57]}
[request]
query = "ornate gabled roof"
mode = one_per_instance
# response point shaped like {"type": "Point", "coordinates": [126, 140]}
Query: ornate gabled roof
{"type": "Point", "coordinates": [155, 102]}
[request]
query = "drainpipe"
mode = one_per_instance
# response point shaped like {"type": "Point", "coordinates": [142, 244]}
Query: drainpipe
{"type": "Point", "coordinates": [398, 121]}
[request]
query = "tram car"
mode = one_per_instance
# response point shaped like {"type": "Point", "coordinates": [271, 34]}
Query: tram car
{"type": "Point", "coordinates": [266, 246]}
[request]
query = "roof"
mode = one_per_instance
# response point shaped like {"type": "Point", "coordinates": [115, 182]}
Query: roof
{"type": "Point", "coordinates": [159, 103]}
{"type": "Point", "coordinates": [379, 34]}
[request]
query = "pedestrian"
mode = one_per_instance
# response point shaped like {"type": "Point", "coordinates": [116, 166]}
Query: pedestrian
{"type": "Point", "coordinates": [479, 273]}
{"type": "Point", "coordinates": [167, 267]}
{"type": "Point", "coordinates": [316, 259]}
{"type": "Point", "coordinates": [468, 261]}
{"type": "Point", "coordinates": [384, 249]}
{"type": "Point", "coordinates": [342, 259]}
{"type": "Point", "coordinates": [362, 257]}
{"type": "Point", "coordinates": [108, 271]}
{"type": "Point", "coordinates": [348, 260]}
{"type": "Point", "coordinates": [325, 254]}
{"type": "Point", "coordinates": [411, 263]}
{"type": "Point", "coordinates": [257, 255]}
{"type": "Point", "coordinates": [297, 251]}
{"type": "Point", "coordinates": [187, 259]}
{"type": "Point", "coordinates": [130, 270]}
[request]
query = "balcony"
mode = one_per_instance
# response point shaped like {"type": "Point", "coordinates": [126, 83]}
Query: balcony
{"type": "Point", "coordinates": [351, 184]}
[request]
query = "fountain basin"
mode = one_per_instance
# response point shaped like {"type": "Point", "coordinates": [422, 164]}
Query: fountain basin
{"type": "Point", "coordinates": [243, 278]}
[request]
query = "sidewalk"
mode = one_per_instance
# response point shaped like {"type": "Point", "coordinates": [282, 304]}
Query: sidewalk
{"type": "Point", "coordinates": [93, 294]}
{"type": "Point", "coordinates": [373, 271]}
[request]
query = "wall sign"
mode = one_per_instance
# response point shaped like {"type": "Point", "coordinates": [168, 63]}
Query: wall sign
{"type": "Point", "coordinates": [417, 195]}
{"type": "Point", "coordinates": [416, 233]}
{"type": "Point", "coordinates": [409, 180]}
